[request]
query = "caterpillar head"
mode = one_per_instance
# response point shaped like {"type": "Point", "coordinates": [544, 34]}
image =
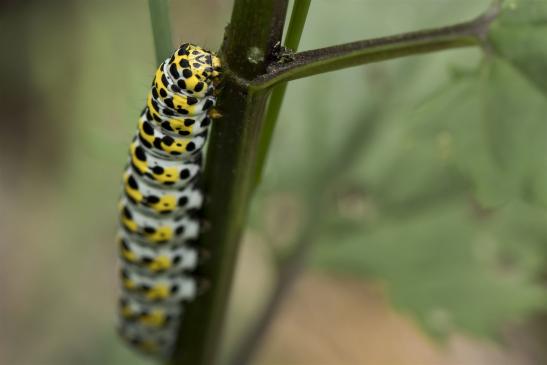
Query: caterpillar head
{"type": "Point", "coordinates": [193, 69]}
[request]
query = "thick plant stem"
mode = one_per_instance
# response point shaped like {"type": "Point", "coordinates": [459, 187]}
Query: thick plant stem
{"type": "Point", "coordinates": [161, 28]}
{"type": "Point", "coordinates": [292, 41]}
{"type": "Point", "coordinates": [228, 186]}
{"type": "Point", "coordinates": [250, 41]}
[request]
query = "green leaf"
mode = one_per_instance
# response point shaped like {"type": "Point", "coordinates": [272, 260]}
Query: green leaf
{"type": "Point", "coordinates": [447, 267]}
{"type": "Point", "coordinates": [485, 127]}
{"type": "Point", "coordinates": [448, 261]}
{"type": "Point", "coordinates": [494, 126]}
{"type": "Point", "coordinates": [519, 36]}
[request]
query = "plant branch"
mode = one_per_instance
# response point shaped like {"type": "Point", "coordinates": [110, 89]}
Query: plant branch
{"type": "Point", "coordinates": [292, 40]}
{"type": "Point", "coordinates": [256, 26]}
{"type": "Point", "coordinates": [161, 28]}
{"type": "Point", "coordinates": [314, 62]}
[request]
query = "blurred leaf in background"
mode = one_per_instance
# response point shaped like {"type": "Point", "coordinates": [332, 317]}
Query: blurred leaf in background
{"type": "Point", "coordinates": [458, 237]}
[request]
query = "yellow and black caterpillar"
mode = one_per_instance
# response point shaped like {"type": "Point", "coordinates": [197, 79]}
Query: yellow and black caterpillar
{"type": "Point", "coordinates": [160, 198]}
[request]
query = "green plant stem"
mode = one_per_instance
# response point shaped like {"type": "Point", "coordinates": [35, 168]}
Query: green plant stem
{"type": "Point", "coordinates": [296, 24]}
{"type": "Point", "coordinates": [161, 28]}
{"type": "Point", "coordinates": [292, 41]}
{"type": "Point", "coordinates": [314, 62]}
{"type": "Point", "coordinates": [255, 28]}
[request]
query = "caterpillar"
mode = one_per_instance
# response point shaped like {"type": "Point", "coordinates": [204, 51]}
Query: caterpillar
{"type": "Point", "coordinates": [161, 198]}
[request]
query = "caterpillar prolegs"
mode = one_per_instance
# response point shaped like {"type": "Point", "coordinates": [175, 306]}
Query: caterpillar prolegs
{"type": "Point", "coordinates": [158, 223]}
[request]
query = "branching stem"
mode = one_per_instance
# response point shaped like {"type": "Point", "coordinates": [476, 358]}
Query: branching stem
{"type": "Point", "coordinates": [314, 62]}
{"type": "Point", "coordinates": [292, 41]}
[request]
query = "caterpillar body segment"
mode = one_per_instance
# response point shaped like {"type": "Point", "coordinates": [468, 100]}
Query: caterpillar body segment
{"type": "Point", "coordinates": [151, 343]}
{"type": "Point", "coordinates": [160, 201]}
{"type": "Point", "coordinates": [165, 144]}
{"type": "Point", "coordinates": [160, 171]}
{"type": "Point", "coordinates": [141, 258]}
{"type": "Point", "coordinates": [157, 230]}
{"type": "Point", "coordinates": [172, 105]}
{"type": "Point", "coordinates": [149, 317]}
{"type": "Point", "coordinates": [166, 289]}
{"type": "Point", "coordinates": [176, 125]}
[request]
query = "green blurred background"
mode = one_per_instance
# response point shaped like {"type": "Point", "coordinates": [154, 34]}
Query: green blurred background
{"type": "Point", "coordinates": [416, 180]}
